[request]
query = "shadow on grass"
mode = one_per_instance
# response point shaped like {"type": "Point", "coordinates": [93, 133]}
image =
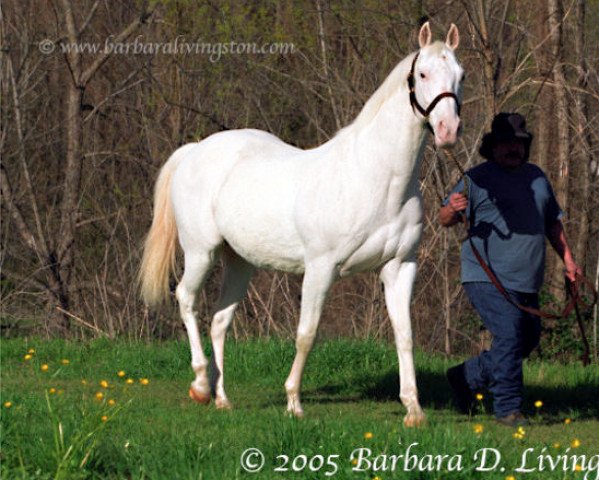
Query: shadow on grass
{"type": "Point", "coordinates": [433, 389]}
{"type": "Point", "coordinates": [559, 402]}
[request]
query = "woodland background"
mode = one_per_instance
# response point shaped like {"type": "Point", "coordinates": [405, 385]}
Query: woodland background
{"type": "Point", "coordinates": [83, 136]}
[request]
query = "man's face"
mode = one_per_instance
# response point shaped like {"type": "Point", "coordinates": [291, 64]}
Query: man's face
{"type": "Point", "coordinates": [509, 154]}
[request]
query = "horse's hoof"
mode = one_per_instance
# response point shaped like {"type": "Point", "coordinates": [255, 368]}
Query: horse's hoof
{"type": "Point", "coordinates": [412, 421]}
{"type": "Point", "coordinates": [223, 404]}
{"type": "Point", "coordinates": [295, 413]}
{"type": "Point", "coordinates": [199, 397]}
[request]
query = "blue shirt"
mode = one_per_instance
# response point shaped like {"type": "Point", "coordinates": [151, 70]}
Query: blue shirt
{"type": "Point", "coordinates": [510, 213]}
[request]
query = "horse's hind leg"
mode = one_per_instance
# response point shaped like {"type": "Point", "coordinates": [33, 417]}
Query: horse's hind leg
{"type": "Point", "coordinates": [197, 266]}
{"type": "Point", "coordinates": [235, 282]}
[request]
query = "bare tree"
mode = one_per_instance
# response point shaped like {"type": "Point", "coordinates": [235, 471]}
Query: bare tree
{"type": "Point", "coordinates": [56, 252]}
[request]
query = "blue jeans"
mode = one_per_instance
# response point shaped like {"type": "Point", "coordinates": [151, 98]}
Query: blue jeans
{"type": "Point", "coordinates": [515, 335]}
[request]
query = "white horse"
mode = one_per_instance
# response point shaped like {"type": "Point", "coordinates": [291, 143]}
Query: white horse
{"type": "Point", "coordinates": [350, 205]}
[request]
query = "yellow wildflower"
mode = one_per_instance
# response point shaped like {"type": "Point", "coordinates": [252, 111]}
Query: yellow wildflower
{"type": "Point", "coordinates": [28, 357]}
{"type": "Point", "coordinates": [52, 390]}
{"type": "Point", "coordinates": [521, 430]}
{"type": "Point", "coordinates": [104, 384]}
{"type": "Point", "coordinates": [7, 404]}
{"type": "Point", "coordinates": [578, 468]}
{"type": "Point", "coordinates": [368, 435]}
{"type": "Point", "coordinates": [354, 461]}
{"type": "Point", "coordinates": [518, 435]}
{"type": "Point", "coordinates": [104, 418]}
{"type": "Point", "coordinates": [575, 443]}
{"type": "Point", "coordinates": [479, 396]}
{"type": "Point", "coordinates": [538, 403]}
{"type": "Point", "coordinates": [129, 381]}
{"type": "Point", "coordinates": [84, 382]}
{"type": "Point", "coordinates": [478, 428]}
{"type": "Point", "coordinates": [65, 361]}
{"type": "Point", "coordinates": [557, 446]}
{"type": "Point", "coordinates": [44, 367]}
{"type": "Point", "coordinates": [144, 381]}
{"type": "Point", "coordinates": [31, 351]}
{"type": "Point", "coordinates": [121, 373]}
{"type": "Point", "coordinates": [111, 402]}
{"type": "Point", "coordinates": [568, 421]}
{"type": "Point", "coordinates": [510, 477]}
{"type": "Point", "coordinates": [99, 396]}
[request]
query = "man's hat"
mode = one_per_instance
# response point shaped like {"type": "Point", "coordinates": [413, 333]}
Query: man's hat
{"type": "Point", "coordinates": [506, 127]}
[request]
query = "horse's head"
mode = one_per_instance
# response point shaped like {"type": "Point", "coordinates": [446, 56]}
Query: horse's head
{"type": "Point", "coordinates": [435, 85]}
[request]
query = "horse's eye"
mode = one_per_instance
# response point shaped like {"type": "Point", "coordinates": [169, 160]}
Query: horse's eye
{"type": "Point", "coordinates": [422, 75]}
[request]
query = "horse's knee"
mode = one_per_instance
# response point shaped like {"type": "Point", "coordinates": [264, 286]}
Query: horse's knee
{"type": "Point", "coordinates": [304, 340]}
{"type": "Point", "coordinates": [405, 344]}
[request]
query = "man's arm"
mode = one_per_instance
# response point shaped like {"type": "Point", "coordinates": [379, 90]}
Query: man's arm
{"type": "Point", "coordinates": [449, 214]}
{"type": "Point", "coordinates": [557, 237]}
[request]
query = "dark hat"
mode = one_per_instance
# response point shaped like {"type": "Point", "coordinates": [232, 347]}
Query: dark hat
{"type": "Point", "coordinates": [506, 127]}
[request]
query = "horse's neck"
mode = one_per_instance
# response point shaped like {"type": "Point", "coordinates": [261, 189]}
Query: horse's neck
{"type": "Point", "coordinates": [385, 146]}
{"type": "Point", "coordinates": [393, 142]}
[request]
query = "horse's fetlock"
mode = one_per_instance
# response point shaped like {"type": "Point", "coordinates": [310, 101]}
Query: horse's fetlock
{"type": "Point", "coordinates": [291, 386]}
{"type": "Point", "coordinates": [199, 367]}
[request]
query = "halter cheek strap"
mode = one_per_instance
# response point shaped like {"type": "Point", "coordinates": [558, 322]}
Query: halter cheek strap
{"type": "Point", "coordinates": [414, 102]}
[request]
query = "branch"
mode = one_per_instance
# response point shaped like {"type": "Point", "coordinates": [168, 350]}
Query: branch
{"type": "Point", "coordinates": [81, 321]}
{"type": "Point", "coordinates": [22, 227]}
{"type": "Point", "coordinates": [325, 63]}
{"type": "Point", "coordinates": [91, 14]}
{"type": "Point", "coordinates": [43, 244]}
{"type": "Point", "coordinates": [105, 55]}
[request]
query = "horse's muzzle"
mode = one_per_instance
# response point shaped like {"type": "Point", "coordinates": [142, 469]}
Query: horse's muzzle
{"type": "Point", "coordinates": [447, 132]}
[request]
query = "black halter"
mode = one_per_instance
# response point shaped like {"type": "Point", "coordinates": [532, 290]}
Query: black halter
{"type": "Point", "coordinates": [414, 102]}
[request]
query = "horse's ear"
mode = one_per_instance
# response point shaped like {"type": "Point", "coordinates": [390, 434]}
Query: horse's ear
{"type": "Point", "coordinates": [453, 37]}
{"type": "Point", "coordinates": [425, 37]}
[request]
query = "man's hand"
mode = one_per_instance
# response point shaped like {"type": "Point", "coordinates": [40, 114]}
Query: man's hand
{"type": "Point", "coordinates": [557, 238]}
{"type": "Point", "coordinates": [458, 202]}
{"type": "Point", "coordinates": [572, 268]}
{"type": "Point", "coordinates": [448, 214]}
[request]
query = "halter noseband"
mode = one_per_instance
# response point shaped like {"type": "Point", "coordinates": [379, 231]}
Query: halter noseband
{"type": "Point", "coordinates": [414, 102]}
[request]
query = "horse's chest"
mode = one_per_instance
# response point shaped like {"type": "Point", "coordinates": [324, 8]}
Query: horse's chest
{"type": "Point", "coordinates": [397, 238]}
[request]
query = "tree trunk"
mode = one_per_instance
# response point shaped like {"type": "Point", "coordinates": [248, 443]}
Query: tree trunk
{"type": "Point", "coordinates": [542, 127]}
{"type": "Point", "coordinates": [583, 135]}
{"type": "Point", "coordinates": [489, 63]}
{"type": "Point", "coordinates": [562, 150]}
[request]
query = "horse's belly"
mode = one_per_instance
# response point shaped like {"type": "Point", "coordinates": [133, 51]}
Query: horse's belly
{"type": "Point", "coordinates": [271, 252]}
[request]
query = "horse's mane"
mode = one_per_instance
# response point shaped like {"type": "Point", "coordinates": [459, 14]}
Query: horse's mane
{"type": "Point", "coordinates": [395, 80]}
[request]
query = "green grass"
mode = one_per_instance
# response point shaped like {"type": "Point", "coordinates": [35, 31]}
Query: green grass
{"type": "Point", "coordinates": [154, 431]}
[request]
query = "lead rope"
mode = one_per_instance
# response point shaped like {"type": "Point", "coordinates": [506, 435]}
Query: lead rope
{"type": "Point", "coordinates": [572, 287]}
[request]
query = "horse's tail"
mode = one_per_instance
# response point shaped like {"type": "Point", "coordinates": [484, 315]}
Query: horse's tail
{"type": "Point", "coordinates": [158, 259]}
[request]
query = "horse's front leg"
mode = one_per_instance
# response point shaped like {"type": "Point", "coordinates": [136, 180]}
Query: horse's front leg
{"type": "Point", "coordinates": [315, 287]}
{"type": "Point", "coordinates": [398, 279]}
